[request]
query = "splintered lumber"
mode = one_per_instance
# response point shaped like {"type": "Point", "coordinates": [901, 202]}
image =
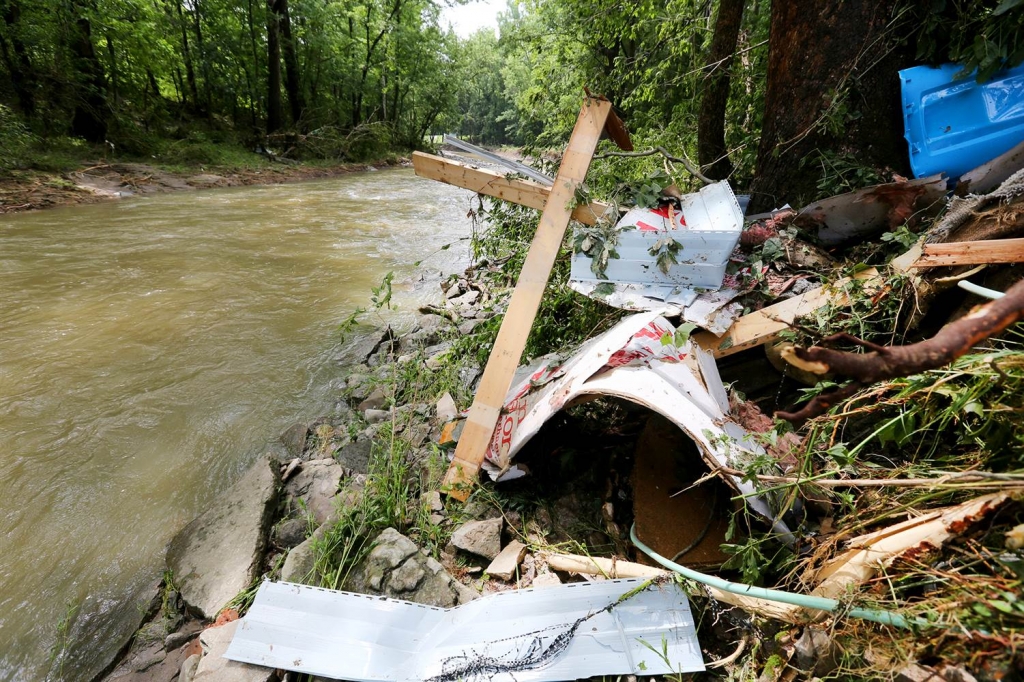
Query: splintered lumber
{"type": "Point", "coordinates": [523, 192]}
{"type": "Point", "coordinates": [983, 252]}
{"type": "Point", "coordinates": [522, 308]}
{"type": "Point", "coordinates": [764, 326]}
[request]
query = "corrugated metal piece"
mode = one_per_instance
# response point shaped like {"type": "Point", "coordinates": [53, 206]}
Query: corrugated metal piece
{"type": "Point", "coordinates": [496, 638]}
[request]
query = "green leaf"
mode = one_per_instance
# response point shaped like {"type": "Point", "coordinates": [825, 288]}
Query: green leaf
{"type": "Point", "coordinates": [1005, 6]}
{"type": "Point", "coordinates": [982, 610]}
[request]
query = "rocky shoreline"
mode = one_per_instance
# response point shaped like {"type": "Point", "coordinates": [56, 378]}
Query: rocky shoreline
{"type": "Point", "coordinates": [274, 523]}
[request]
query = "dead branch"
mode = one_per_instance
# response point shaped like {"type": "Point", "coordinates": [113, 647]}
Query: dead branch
{"type": "Point", "coordinates": [882, 363]}
{"type": "Point", "coordinates": [664, 152]}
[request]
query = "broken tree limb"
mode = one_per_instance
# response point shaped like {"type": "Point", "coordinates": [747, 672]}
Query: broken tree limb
{"type": "Point", "coordinates": [882, 363]}
{"type": "Point", "coordinates": [522, 192]}
{"type": "Point", "coordinates": [693, 170]}
{"type": "Point", "coordinates": [522, 307]}
{"type": "Point", "coordinates": [971, 253]}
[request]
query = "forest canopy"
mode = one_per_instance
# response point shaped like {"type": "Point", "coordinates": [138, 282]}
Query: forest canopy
{"type": "Point", "coordinates": [350, 79]}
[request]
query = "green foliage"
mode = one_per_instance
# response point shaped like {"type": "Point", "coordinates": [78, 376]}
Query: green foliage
{"type": "Point", "coordinates": [15, 139]}
{"type": "Point", "coordinates": [983, 35]}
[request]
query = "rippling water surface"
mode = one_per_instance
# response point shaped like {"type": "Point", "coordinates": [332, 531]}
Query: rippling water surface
{"type": "Point", "coordinates": [149, 347]}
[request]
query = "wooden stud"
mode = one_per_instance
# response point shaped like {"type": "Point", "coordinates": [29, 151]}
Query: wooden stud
{"type": "Point", "coordinates": [983, 252]}
{"type": "Point", "coordinates": [523, 192]}
{"type": "Point", "coordinates": [764, 325]}
{"type": "Point", "coordinates": [522, 308]}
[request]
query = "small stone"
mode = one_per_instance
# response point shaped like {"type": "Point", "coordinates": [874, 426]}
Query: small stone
{"type": "Point", "coordinates": [375, 416]}
{"type": "Point", "coordinates": [446, 409]}
{"type": "Point", "coordinates": [437, 519]}
{"type": "Point", "coordinates": [294, 438]}
{"type": "Point", "coordinates": [290, 533]}
{"type": "Point", "coordinates": [546, 580]}
{"type": "Point", "coordinates": [291, 468]}
{"type": "Point", "coordinates": [298, 565]}
{"type": "Point", "coordinates": [468, 327]}
{"type": "Point", "coordinates": [432, 501]}
{"type": "Point", "coordinates": [816, 651]}
{"type": "Point", "coordinates": [188, 668]}
{"type": "Point", "coordinates": [506, 564]}
{"type": "Point", "coordinates": [177, 639]}
{"type": "Point", "coordinates": [356, 456]}
{"type": "Point", "coordinates": [374, 401]}
{"type": "Point", "coordinates": [467, 299]}
{"type": "Point", "coordinates": [316, 484]}
{"type": "Point", "coordinates": [482, 538]}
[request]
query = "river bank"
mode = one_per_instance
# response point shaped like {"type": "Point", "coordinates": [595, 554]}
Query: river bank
{"type": "Point", "coordinates": [102, 180]}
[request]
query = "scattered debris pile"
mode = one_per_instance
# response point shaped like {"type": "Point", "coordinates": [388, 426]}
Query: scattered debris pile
{"type": "Point", "coordinates": [873, 530]}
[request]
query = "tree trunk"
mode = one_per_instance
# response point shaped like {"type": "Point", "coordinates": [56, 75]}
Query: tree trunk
{"type": "Point", "coordinates": [291, 63]}
{"type": "Point", "coordinates": [113, 69]}
{"type": "Point", "coordinates": [19, 66]}
{"type": "Point", "coordinates": [826, 62]}
{"type": "Point", "coordinates": [190, 72]}
{"type": "Point", "coordinates": [89, 119]}
{"type": "Point", "coordinates": [201, 56]}
{"type": "Point", "coordinates": [711, 150]}
{"type": "Point", "coordinates": [274, 114]}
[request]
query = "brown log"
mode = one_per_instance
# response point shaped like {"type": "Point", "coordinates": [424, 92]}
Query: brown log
{"type": "Point", "coordinates": [882, 363]}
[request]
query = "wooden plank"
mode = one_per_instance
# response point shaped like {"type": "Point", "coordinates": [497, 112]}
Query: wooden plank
{"type": "Point", "coordinates": [764, 325]}
{"type": "Point", "coordinates": [982, 252]}
{"type": "Point", "coordinates": [522, 192]}
{"type": "Point", "coordinates": [522, 308]}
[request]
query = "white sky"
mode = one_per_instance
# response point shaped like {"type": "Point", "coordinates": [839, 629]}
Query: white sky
{"type": "Point", "coordinates": [466, 19]}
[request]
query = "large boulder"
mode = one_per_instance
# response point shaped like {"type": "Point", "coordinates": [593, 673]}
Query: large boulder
{"type": "Point", "coordinates": [218, 555]}
{"type": "Point", "coordinates": [397, 568]}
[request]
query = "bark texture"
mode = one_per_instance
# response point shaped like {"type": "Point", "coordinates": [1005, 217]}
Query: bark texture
{"type": "Point", "coordinates": [711, 149]}
{"type": "Point", "coordinates": [832, 86]}
{"type": "Point", "coordinates": [274, 112]}
{"type": "Point", "coordinates": [882, 363]}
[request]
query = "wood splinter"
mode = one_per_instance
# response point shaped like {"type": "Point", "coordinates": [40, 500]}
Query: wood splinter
{"type": "Point", "coordinates": [882, 363]}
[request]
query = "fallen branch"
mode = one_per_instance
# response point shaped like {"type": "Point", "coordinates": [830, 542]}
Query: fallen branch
{"type": "Point", "coordinates": [694, 171]}
{"type": "Point", "coordinates": [883, 363]}
{"type": "Point", "coordinates": [976, 479]}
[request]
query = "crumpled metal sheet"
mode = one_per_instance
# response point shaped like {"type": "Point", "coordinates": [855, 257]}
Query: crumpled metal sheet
{"type": "Point", "coordinates": [710, 310]}
{"type": "Point", "coordinates": [567, 631]}
{"type": "Point", "coordinates": [636, 360]}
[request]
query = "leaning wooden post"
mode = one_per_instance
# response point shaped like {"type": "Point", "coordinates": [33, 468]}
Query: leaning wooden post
{"type": "Point", "coordinates": [522, 308]}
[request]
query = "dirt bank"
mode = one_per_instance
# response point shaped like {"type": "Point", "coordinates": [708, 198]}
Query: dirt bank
{"type": "Point", "coordinates": [33, 190]}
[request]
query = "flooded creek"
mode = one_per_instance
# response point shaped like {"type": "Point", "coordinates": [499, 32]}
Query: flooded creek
{"type": "Point", "coordinates": [149, 348]}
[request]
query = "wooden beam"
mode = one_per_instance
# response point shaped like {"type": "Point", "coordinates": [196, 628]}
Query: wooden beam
{"type": "Point", "coordinates": [522, 192]}
{"type": "Point", "coordinates": [764, 325]}
{"type": "Point", "coordinates": [983, 252]}
{"type": "Point", "coordinates": [522, 308]}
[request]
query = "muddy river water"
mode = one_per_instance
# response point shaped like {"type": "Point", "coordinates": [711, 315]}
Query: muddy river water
{"type": "Point", "coordinates": [149, 348]}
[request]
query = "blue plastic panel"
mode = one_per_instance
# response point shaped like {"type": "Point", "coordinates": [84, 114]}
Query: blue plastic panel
{"type": "Point", "coordinates": [955, 125]}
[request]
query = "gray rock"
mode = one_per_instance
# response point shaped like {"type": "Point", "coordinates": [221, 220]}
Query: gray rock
{"type": "Point", "coordinates": [299, 563]}
{"type": "Point", "coordinates": [294, 439]}
{"type": "Point", "coordinates": [177, 639]}
{"type": "Point", "coordinates": [482, 538]}
{"type": "Point", "coordinates": [376, 416]}
{"type": "Point", "coordinates": [468, 327]}
{"type": "Point", "coordinates": [469, 376]}
{"type": "Point", "coordinates": [356, 456]}
{"type": "Point", "coordinates": [455, 290]}
{"type": "Point", "coordinates": [816, 651]}
{"type": "Point", "coordinates": [374, 401]}
{"type": "Point", "coordinates": [418, 434]}
{"type": "Point", "coordinates": [467, 299]}
{"type": "Point", "coordinates": [358, 386]}
{"type": "Point", "coordinates": [213, 667]}
{"type": "Point", "coordinates": [432, 501]}
{"type": "Point", "coordinates": [446, 409]}
{"type": "Point", "coordinates": [218, 555]}
{"type": "Point", "coordinates": [290, 533]}
{"type": "Point", "coordinates": [397, 568]}
{"type": "Point", "coordinates": [316, 484]}
{"type": "Point", "coordinates": [188, 668]}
